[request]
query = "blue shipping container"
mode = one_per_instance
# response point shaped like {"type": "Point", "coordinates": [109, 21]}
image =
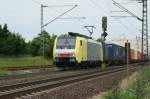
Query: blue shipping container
{"type": "Point", "coordinates": [114, 53]}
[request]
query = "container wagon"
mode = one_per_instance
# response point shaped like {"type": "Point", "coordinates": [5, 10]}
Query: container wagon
{"type": "Point", "coordinates": [114, 54]}
{"type": "Point", "coordinates": [134, 52]}
{"type": "Point", "coordinates": [132, 56]}
{"type": "Point", "coordinates": [139, 57]}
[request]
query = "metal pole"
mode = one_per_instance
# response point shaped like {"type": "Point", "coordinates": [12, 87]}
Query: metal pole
{"type": "Point", "coordinates": [137, 44]}
{"type": "Point", "coordinates": [104, 27]}
{"type": "Point", "coordinates": [42, 28]}
{"type": "Point", "coordinates": [147, 31]}
{"type": "Point", "coordinates": [142, 32]}
{"type": "Point", "coordinates": [42, 21]}
{"type": "Point", "coordinates": [103, 45]}
{"type": "Point", "coordinates": [41, 18]}
{"type": "Point", "coordinates": [127, 58]}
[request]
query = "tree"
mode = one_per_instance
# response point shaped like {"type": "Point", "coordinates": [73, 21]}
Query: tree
{"type": "Point", "coordinates": [11, 44]}
{"type": "Point", "coordinates": [35, 46]}
{"type": "Point", "coordinates": [99, 40]}
{"type": "Point", "coordinates": [0, 29]}
{"type": "Point", "coordinates": [42, 45]}
{"type": "Point", "coordinates": [14, 45]}
{"type": "Point", "coordinates": [4, 32]}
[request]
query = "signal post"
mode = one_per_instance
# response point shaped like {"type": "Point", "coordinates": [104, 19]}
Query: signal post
{"type": "Point", "coordinates": [103, 38]}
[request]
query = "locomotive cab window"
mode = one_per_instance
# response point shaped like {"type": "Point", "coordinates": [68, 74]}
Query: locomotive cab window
{"type": "Point", "coordinates": [66, 43]}
{"type": "Point", "coordinates": [80, 42]}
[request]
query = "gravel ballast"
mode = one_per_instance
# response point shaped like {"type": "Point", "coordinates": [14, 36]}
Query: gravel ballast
{"type": "Point", "coordinates": [83, 89]}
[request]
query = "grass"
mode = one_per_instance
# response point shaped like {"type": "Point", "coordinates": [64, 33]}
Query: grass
{"type": "Point", "coordinates": [4, 73]}
{"type": "Point", "coordinates": [23, 61]}
{"type": "Point", "coordinates": [138, 89]}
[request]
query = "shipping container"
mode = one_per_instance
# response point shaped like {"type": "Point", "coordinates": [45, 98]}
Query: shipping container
{"type": "Point", "coordinates": [139, 56]}
{"type": "Point", "coordinates": [132, 58]}
{"type": "Point", "coordinates": [114, 54]}
{"type": "Point", "coordinates": [136, 55]}
{"type": "Point", "coordinates": [134, 44]}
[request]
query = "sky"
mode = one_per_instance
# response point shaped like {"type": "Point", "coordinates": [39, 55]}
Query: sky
{"type": "Point", "coordinates": [23, 17]}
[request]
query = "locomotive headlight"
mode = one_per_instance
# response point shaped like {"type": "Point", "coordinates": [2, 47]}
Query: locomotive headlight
{"type": "Point", "coordinates": [56, 55]}
{"type": "Point", "coordinates": [72, 54]}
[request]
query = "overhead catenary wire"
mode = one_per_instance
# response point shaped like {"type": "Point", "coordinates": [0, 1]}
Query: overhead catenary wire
{"type": "Point", "coordinates": [43, 25]}
{"type": "Point", "coordinates": [59, 16]}
{"type": "Point", "coordinates": [108, 5]}
{"type": "Point", "coordinates": [52, 7]}
{"type": "Point", "coordinates": [39, 3]}
{"type": "Point", "coordinates": [126, 10]}
{"type": "Point", "coordinates": [70, 16]}
{"type": "Point", "coordinates": [85, 24]}
{"type": "Point", "coordinates": [99, 7]}
{"type": "Point", "coordinates": [73, 18]}
{"type": "Point", "coordinates": [59, 6]}
{"type": "Point", "coordinates": [36, 2]}
{"type": "Point", "coordinates": [133, 2]}
{"type": "Point", "coordinates": [42, 6]}
{"type": "Point", "coordinates": [126, 27]}
{"type": "Point", "coordinates": [57, 11]}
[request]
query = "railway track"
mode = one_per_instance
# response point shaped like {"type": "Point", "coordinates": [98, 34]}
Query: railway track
{"type": "Point", "coordinates": [29, 87]}
{"type": "Point", "coordinates": [30, 73]}
{"type": "Point", "coordinates": [26, 67]}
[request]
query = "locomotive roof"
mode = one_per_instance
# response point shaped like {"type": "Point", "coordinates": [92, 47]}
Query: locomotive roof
{"type": "Point", "coordinates": [80, 35]}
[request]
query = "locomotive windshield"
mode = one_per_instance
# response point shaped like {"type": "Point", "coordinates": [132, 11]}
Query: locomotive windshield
{"type": "Point", "coordinates": [66, 42]}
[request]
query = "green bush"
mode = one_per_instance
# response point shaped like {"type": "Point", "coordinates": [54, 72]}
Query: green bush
{"type": "Point", "coordinates": [119, 94]}
{"type": "Point", "coordinates": [12, 44]}
{"type": "Point", "coordinates": [140, 89]}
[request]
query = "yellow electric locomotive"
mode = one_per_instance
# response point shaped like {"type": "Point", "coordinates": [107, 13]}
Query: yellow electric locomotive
{"type": "Point", "coordinates": [76, 50]}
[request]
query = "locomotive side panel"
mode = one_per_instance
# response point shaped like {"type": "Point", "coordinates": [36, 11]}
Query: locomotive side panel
{"type": "Point", "coordinates": [93, 51]}
{"type": "Point", "coordinates": [81, 49]}
{"type": "Point", "coordinates": [54, 48]}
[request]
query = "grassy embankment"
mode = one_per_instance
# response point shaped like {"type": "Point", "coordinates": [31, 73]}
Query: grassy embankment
{"type": "Point", "coordinates": [137, 89]}
{"type": "Point", "coordinates": [24, 61]}
{"type": "Point", "coordinates": [21, 62]}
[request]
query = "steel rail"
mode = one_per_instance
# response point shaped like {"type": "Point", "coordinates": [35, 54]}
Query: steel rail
{"type": "Point", "coordinates": [28, 88]}
{"type": "Point", "coordinates": [10, 86]}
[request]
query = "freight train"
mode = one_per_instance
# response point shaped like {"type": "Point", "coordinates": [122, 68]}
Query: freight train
{"type": "Point", "coordinates": [76, 50]}
{"type": "Point", "coordinates": [116, 54]}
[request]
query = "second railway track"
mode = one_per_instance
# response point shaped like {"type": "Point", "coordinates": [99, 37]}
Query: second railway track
{"type": "Point", "coordinates": [19, 89]}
